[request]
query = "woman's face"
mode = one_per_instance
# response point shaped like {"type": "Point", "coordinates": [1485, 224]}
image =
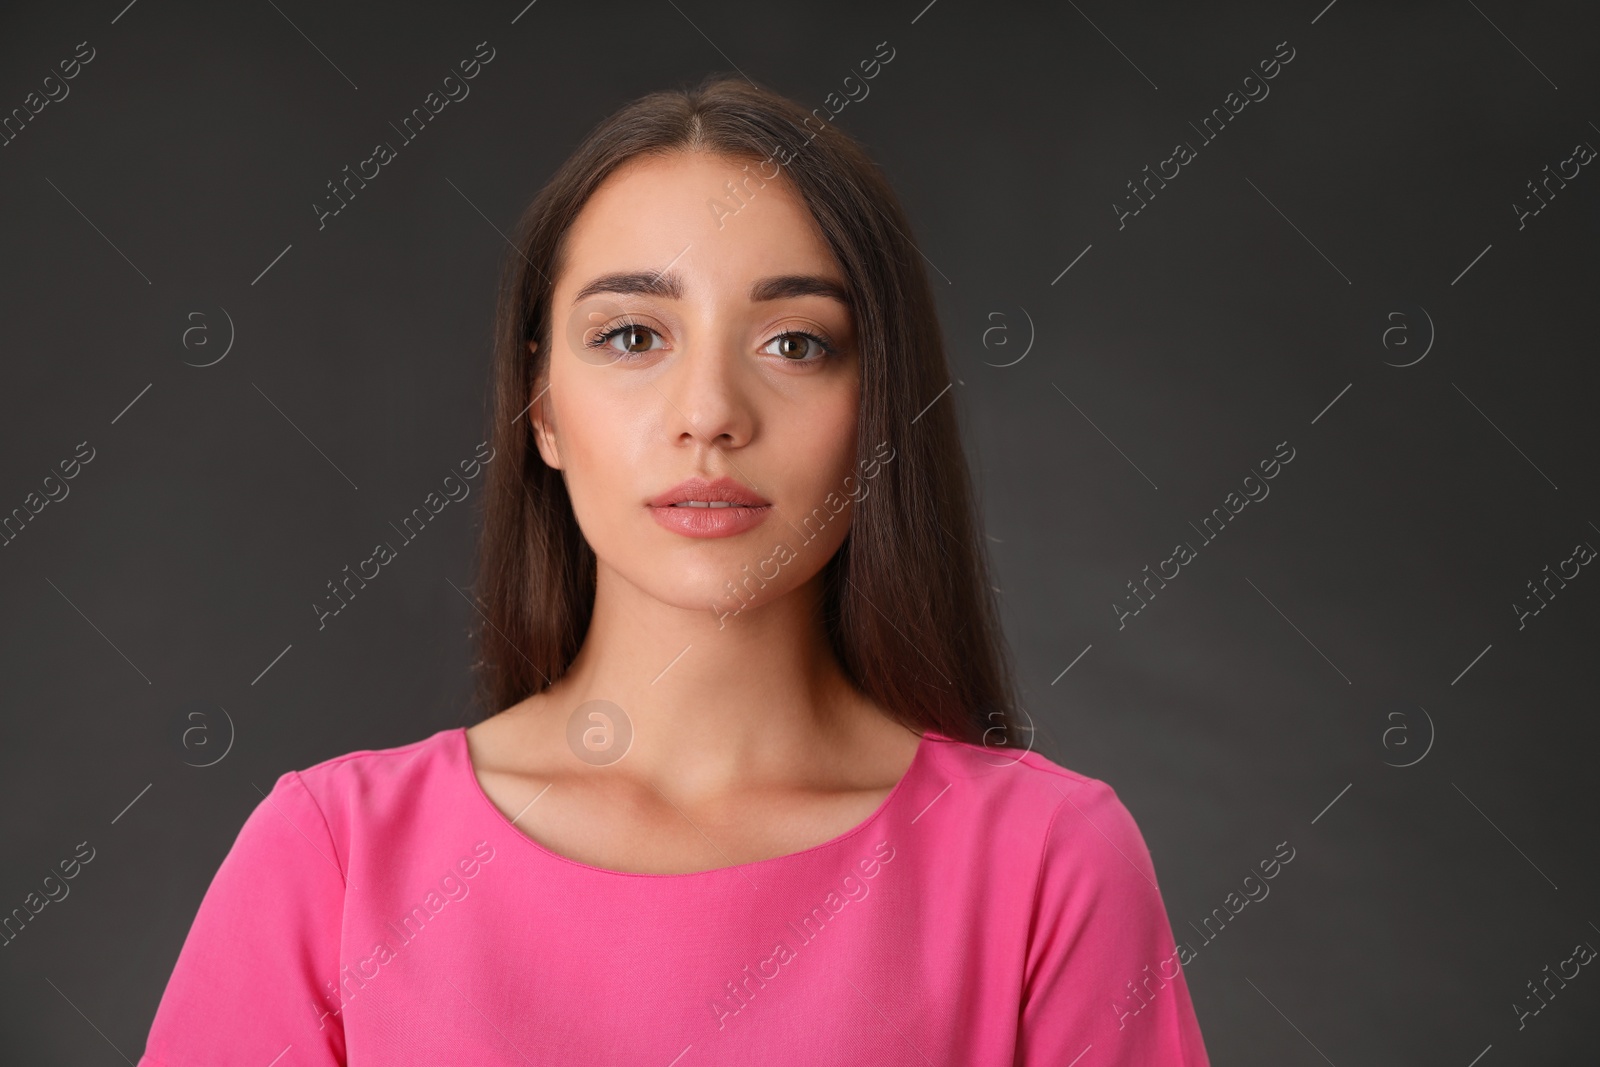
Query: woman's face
{"type": "Point", "coordinates": [701, 393]}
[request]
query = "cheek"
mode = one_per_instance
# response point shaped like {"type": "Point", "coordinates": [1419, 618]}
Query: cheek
{"type": "Point", "coordinates": [599, 434]}
{"type": "Point", "coordinates": [832, 426]}
{"type": "Point", "coordinates": [819, 440]}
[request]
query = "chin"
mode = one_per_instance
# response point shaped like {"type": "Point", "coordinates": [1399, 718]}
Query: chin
{"type": "Point", "coordinates": [722, 584]}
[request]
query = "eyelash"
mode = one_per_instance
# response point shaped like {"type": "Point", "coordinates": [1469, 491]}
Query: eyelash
{"type": "Point", "coordinates": [603, 340]}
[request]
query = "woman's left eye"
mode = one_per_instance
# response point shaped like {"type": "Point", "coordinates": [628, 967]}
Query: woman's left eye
{"type": "Point", "coordinates": [798, 347]}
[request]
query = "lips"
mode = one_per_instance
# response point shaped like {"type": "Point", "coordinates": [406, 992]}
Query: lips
{"type": "Point", "coordinates": [699, 508]}
{"type": "Point", "coordinates": [697, 490]}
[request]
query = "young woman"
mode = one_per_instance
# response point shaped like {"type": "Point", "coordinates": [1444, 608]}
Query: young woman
{"type": "Point", "coordinates": [757, 793]}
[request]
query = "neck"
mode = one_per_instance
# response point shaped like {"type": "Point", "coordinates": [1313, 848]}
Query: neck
{"type": "Point", "coordinates": [713, 700]}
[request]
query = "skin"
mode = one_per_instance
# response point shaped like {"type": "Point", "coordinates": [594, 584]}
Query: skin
{"type": "Point", "coordinates": [749, 742]}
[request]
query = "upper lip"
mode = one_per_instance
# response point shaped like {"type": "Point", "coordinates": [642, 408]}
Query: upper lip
{"type": "Point", "coordinates": [723, 488]}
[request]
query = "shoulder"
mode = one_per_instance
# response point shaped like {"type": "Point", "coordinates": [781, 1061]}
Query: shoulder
{"type": "Point", "coordinates": [1073, 821]}
{"type": "Point", "coordinates": [380, 769]}
{"type": "Point", "coordinates": [1020, 779]}
{"type": "Point", "coordinates": [1090, 906]}
{"type": "Point", "coordinates": [330, 803]}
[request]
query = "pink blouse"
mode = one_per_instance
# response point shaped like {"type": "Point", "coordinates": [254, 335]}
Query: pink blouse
{"type": "Point", "coordinates": [378, 909]}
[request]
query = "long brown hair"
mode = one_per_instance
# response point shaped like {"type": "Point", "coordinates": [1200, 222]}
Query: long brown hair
{"type": "Point", "coordinates": [907, 599]}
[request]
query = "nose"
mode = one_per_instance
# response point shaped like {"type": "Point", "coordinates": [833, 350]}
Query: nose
{"type": "Point", "coordinates": [707, 388]}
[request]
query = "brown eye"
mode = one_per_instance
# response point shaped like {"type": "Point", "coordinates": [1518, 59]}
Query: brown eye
{"type": "Point", "coordinates": [799, 347]}
{"type": "Point", "coordinates": [636, 340]}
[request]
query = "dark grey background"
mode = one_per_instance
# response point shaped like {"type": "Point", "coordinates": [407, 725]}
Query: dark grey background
{"type": "Point", "coordinates": [1249, 696]}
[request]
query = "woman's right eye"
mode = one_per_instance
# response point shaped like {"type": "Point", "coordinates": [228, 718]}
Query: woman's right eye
{"type": "Point", "coordinates": [636, 340]}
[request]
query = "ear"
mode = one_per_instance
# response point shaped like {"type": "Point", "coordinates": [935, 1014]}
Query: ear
{"type": "Point", "coordinates": [544, 435]}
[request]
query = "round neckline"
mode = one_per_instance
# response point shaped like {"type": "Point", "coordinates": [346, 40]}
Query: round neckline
{"type": "Point", "coordinates": [917, 758]}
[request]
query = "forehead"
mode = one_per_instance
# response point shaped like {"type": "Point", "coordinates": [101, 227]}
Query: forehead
{"type": "Point", "coordinates": [679, 211]}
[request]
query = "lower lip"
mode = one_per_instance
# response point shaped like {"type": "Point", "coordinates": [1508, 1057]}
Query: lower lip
{"type": "Point", "coordinates": [710, 522]}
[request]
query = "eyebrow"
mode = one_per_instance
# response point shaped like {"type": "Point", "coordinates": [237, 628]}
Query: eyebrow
{"type": "Point", "coordinates": [670, 286]}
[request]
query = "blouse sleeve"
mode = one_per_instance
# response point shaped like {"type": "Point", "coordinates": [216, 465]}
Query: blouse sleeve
{"type": "Point", "coordinates": [250, 982]}
{"type": "Point", "coordinates": [1102, 971]}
